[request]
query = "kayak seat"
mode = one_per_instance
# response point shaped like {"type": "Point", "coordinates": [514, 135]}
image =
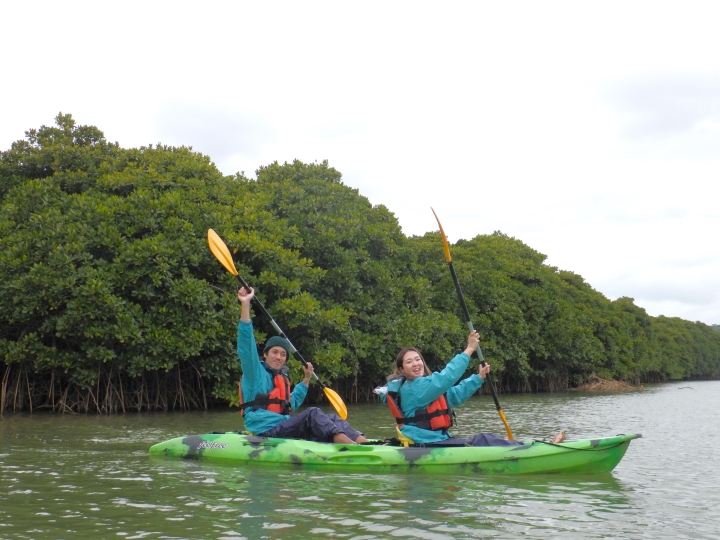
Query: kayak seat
{"type": "Point", "coordinates": [404, 439]}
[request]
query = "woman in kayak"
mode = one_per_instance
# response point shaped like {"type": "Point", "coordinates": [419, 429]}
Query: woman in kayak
{"type": "Point", "coordinates": [422, 402]}
{"type": "Point", "coordinates": [266, 397]}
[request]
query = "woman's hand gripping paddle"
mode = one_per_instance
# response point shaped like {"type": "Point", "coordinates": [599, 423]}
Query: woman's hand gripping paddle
{"type": "Point", "coordinates": [222, 254]}
{"type": "Point", "coordinates": [466, 312]}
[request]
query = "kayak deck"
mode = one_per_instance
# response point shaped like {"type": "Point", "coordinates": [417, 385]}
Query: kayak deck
{"type": "Point", "coordinates": [587, 456]}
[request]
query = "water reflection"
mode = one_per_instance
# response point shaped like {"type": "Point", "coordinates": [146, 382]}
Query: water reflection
{"type": "Point", "coordinates": [257, 502]}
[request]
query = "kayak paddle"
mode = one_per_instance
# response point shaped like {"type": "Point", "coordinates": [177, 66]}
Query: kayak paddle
{"type": "Point", "coordinates": [222, 254]}
{"type": "Point", "coordinates": [448, 258]}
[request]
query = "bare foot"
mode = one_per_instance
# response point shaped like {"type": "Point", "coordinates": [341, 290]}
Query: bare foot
{"type": "Point", "coordinates": [341, 438]}
{"type": "Point", "coordinates": [361, 439]}
{"type": "Point", "coordinates": [560, 437]}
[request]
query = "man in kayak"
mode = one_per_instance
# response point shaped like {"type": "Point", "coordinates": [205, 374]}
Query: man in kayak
{"type": "Point", "coordinates": [266, 397]}
{"type": "Point", "coordinates": [422, 402]}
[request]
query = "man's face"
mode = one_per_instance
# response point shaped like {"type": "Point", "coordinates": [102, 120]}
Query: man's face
{"type": "Point", "coordinates": [275, 357]}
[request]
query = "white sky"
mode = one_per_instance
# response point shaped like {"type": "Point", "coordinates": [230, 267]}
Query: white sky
{"type": "Point", "coordinates": [590, 131]}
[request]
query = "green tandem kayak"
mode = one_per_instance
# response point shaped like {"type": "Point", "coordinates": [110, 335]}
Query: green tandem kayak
{"type": "Point", "coordinates": [586, 456]}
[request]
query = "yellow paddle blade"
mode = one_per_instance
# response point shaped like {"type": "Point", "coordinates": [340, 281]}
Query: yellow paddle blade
{"type": "Point", "coordinates": [507, 427]}
{"type": "Point", "coordinates": [221, 252]}
{"type": "Point", "coordinates": [448, 258]}
{"type": "Point", "coordinates": [336, 401]}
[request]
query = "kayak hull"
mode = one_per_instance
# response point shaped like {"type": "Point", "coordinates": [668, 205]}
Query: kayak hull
{"type": "Point", "coordinates": [588, 456]}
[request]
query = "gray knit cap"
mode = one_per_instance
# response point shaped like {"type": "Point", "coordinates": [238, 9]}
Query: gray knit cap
{"type": "Point", "coordinates": [277, 341]}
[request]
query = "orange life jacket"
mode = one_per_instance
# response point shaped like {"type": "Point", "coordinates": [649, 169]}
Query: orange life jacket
{"type": "Point", "coordinates": [437, 416]}
{"type": "Point", "coordinates": [277, 401]}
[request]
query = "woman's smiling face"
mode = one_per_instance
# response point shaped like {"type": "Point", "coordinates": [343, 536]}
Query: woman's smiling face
{"type": "Point", "coordinates": [412, 365]}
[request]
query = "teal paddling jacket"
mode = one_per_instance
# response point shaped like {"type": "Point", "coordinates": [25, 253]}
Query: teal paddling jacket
{"type": "Point", "coordinates": [421, 392]}
{"type": "Point", "coordinates": [258, 380]}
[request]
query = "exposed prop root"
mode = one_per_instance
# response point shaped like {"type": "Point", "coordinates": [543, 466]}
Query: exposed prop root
{"type": "Point", "coordinates": [180, 389]}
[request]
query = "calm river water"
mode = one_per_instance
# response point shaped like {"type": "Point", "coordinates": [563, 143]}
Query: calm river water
{"type": "Point", "coordinates": [77, 476]}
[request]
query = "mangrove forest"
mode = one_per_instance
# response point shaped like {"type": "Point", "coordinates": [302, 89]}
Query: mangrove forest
{"type": "Point", "coordinates": [111, 301]}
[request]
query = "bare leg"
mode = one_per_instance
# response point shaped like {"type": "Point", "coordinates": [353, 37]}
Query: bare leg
{"type": "Point", "coordinates": [361, 439]}
{"type": "Point", "coordinates": [560, 437]}
{"type": "Point", "coordinates": [341, 438]}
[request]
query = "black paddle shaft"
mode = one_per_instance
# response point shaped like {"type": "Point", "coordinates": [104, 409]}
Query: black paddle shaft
{"type": "Point", "coordinates": [466, 312]}
{"type": "Point", "coordinates": [465, 309]}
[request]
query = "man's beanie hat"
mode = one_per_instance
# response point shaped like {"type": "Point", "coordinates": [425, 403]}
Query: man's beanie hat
{"type": "Point", "coordinates": [277, 341]}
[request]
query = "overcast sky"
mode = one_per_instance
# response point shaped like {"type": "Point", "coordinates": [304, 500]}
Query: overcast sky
{"type": "Point", "coordinates": [590, 131]}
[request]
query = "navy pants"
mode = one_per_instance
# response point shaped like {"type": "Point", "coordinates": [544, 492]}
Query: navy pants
{"type": "Point", "coordinates": [481, 439]}
{"type": "Point", "coordinates": [314, 425]}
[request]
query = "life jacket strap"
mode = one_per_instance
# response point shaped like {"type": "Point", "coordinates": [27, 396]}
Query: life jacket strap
{"type": "Point", "coordinates": [260, 401]}
{"type": "Point", "coordinates": [278, 398]}
{"type": "Point", "coordinates": [422, 417]}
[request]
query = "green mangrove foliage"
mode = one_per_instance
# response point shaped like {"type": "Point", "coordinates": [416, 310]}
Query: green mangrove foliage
{"type": "Point", "coordinates": [111, 301]}
{"type": "Point", "coordinates": [547, 329]}
{"type": "Point", "coordinates": [110, 298]}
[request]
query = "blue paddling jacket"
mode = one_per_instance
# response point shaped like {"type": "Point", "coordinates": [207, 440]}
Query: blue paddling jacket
{"type": "Point", "coordinates": [419, 393]}
{"type": "Point", "coordinates": [258, 380]}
